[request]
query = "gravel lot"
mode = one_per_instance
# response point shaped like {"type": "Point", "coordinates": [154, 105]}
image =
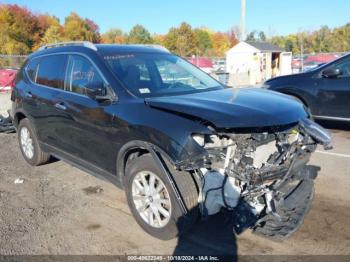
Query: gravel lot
{"type": "Point", "coordinates": [59, 209]}
{"type": "Point", "coordinates": [5, 103]}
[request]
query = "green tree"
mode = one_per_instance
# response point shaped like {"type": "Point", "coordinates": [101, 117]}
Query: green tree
{"type": "Point", "coordinates": [256, 36]}
{"type": "Point", "coordinates": [204, 42]}
{"type": "Point", "coordinates": [262, 36]}
{"type": "Point", "coordinates": [139, 35]}
{"type": "Point", "coordinates": [182, 40]}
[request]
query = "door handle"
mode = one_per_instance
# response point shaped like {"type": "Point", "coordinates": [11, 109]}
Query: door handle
{"type": "Point", "coordinates": [60, 106]}
{"type": "Point", "coordinates": [29, 94]}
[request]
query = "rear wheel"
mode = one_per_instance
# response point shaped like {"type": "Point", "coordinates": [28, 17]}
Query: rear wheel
{"type": "Point", "coordinates": [152, 201]}
{"type": "Point", "coordinates": [29, 144]}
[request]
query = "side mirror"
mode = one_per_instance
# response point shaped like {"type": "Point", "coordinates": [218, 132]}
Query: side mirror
{"type": "Point", "coordinates": [98, 92]}
{"type": "Point", "coordinates": [331, 73]}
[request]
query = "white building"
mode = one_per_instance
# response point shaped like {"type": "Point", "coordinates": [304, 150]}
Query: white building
{"type": "Point", "coordinates": [251, 63]}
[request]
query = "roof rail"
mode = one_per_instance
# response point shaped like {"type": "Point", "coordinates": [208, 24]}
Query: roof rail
{"type": "Point", "coordinates": [72, 43]}
{"type": "Point", "coordinates": [155, 46]}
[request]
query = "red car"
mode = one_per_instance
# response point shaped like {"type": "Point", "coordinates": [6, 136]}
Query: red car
{"type": "Point", "coordinates": [7, 79]}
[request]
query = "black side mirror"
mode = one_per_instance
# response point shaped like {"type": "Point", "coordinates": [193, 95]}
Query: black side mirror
{"type": "Point", "coordinates": [97, 92]}
{"type": "Point", "coordinates": [331, 73]}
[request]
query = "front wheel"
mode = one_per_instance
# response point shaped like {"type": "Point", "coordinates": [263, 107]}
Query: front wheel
{"type": "Point", "coordinates": [153, 202]}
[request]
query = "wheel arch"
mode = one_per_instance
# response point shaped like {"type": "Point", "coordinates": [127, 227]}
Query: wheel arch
{"type": "Point", "coordinates": [18, 117]}
{"type": "Point", "coordinates": [136, 148]}
{"type": "Point", "coordinates": [288, 91]}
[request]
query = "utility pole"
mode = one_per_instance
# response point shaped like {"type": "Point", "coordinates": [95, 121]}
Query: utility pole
{"type": "Point", "coordinates": [301, 41]}
{"type": "Point", "coordinates": [243, 11]}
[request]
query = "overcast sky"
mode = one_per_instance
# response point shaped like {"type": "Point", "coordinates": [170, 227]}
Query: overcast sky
{"type": "Point", "coordinates": [272, 16]}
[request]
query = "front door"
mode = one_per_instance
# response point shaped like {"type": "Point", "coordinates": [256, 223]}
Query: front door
{"type": "Point", "coordinates": [87, 129]}
{"type": "Point", "coordinates": [334, 93]}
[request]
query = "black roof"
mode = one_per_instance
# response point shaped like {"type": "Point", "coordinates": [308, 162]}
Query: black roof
{"type": "Point", "coordinates": [265, 46]}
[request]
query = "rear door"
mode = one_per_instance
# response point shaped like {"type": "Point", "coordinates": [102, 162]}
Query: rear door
{"type": "Point", "coordinates": [46, 76]}
{"type": "Point", "coordinates": [334, 93]}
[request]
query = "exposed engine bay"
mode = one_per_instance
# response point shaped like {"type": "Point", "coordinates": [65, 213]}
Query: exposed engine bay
{"type": "Point", "coordinates": [263, 177]}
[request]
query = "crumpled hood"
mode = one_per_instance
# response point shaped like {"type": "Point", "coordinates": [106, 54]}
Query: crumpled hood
{"type": "Point", "coordinates": [234, 108]}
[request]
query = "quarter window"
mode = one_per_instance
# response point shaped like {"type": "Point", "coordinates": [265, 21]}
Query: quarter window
{"type": "Point", "coordinates": [82, 75]}
{"type": "Point", "coordinates": [51, 71]}
{"type": "Point", "coordinates": [32, 69]}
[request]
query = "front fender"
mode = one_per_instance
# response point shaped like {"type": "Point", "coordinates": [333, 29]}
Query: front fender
{"type": "Point", "coordinates": [191, 157]}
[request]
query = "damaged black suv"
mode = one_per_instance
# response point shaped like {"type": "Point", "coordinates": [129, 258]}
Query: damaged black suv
{"type": "Point", "coordinates": [181, 144]}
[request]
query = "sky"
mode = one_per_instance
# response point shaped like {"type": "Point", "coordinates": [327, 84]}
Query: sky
{"type": "Point", "coordinates": [275, 17]}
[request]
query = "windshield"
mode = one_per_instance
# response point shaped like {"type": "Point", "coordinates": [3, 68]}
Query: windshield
{"type": "Point", "coordinates": [150, 75]}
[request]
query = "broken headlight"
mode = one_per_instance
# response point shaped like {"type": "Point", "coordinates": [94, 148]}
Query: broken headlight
{"type": "Point", "coordinates": [212, 141]}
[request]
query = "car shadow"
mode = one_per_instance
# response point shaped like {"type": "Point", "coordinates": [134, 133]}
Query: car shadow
{"type": "Point", "coordinates": [211, 237]}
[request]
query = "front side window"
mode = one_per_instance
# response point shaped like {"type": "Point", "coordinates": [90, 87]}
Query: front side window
{"type": "Point", "coordinates": [344, 68]}
{"type": "Point", "coordinates": [82, 75]}
{"type": "Point", "coordinates": [149, 75]}
{"type": "Point", "coordinates": [51, 71]}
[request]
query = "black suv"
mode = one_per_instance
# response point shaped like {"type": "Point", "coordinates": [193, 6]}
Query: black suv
{"type": "Point", "coordinates": [324, 90]}
{"type": "Point", "coordinates": [180, 143]}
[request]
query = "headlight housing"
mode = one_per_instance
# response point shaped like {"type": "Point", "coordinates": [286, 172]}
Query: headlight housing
{"type": "Point", "coordinates": [211, 141]}
{"type": "Point", "coordinates": [199, 138]}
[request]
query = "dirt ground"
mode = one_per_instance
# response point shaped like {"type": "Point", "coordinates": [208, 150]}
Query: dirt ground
{"type": "Point", "coordinates": [59, 209]}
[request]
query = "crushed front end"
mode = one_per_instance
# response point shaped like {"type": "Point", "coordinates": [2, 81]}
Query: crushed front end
{"type": "Point", "coordinates": [261, 175]}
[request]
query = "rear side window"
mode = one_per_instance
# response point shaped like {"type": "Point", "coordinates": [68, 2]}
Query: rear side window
{"type": "Point", "coordinates": [32, 69]}
{"type": "Point", "coordinates": [51, 71]}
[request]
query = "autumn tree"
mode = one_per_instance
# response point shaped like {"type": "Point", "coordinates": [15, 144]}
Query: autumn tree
{"type": "Point", "coordinates": [233, 35]}
{"type": "Point", "coordinates": [77, 28]}
{"type": "Point", "coordinates": [139, 35]}
{"type": "Point", "coordinates": [113, 36]}
{"type": "Point", "coordinates": [182, 40]}
{"type": "Point", "coordinates": [17, 30]}
{"type": "Point", "coordinates": [221, 44]}
{"type": "Point", "coordinates": [159, 39]}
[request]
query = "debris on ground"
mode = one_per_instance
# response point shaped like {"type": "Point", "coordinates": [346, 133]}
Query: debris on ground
{"type": "Point", "coordinates": [19, 181]}
{"type": "Point", "coordinates": [93, 190]}
{"type": "Point", "coordinates": [6, 124]}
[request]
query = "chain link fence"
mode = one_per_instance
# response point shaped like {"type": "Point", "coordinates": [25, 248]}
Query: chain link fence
{"type": "Point", "coordinates": [11, 61]}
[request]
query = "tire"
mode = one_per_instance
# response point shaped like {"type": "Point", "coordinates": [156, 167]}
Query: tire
{"type": "Point", "coordinates": [38, 157]}
{"type": "Point", "coordinates": [292, 213]}
{"type": "Point", "coordinates": [177, 223]}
